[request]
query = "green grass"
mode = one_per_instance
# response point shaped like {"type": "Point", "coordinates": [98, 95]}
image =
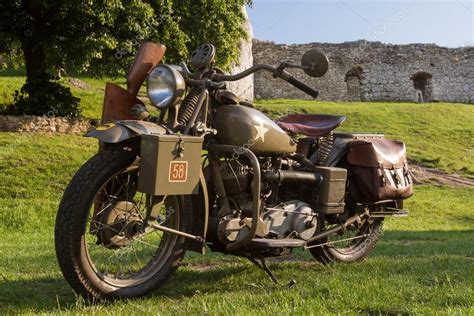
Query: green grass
{"type": "Point", "coordinates": [424, 264]}
{"type": "Point", "coordinates": [91, 98]}
{"type": "Point", "coordinates": [438, 135]}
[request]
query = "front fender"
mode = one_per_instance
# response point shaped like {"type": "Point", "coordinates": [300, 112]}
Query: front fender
{"type": "Point", "coordinates": [121, 130]}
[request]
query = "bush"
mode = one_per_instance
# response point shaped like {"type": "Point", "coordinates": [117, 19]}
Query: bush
{"type": "Point", "coordinates": [42, 96]}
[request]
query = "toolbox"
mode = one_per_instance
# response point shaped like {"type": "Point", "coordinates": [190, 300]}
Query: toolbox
{"type": "Point", "coordinates": [169, 164]}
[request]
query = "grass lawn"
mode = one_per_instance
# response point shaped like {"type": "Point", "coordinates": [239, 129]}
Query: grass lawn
{"type": "Point", "coordinates": [424, 264]}
{"type": "Point", "coordinates": [438, 135]}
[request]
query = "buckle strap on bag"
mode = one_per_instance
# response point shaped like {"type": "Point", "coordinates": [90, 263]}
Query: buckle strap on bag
{"type": "Point", "coordinates": [383, 176]}
{"type": "Point", "coordinates": [396, 178]}
{"type": "Point", "coordinates": [407, 173]}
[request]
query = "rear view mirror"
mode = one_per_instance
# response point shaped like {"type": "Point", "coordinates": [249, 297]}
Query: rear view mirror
{"type": "Point", "coordinates": [315, 63]}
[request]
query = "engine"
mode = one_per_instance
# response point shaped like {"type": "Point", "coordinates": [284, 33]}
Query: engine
{"type": "Point", "coordinates": [291, 219]}
{"type": "Point", "coordinates": [236, 177]}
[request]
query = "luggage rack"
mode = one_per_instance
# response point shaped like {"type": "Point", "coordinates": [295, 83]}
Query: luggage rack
{"type": "Point", "coordinates": [391, 211]}
{"type": "Point", "coordinates": [354, 136]}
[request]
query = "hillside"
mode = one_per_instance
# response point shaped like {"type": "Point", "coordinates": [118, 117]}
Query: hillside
{"type": "Point", "coordinates": [438, 135]}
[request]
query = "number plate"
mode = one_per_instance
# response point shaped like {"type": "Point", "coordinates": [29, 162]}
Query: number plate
{"type": "Point", "coordinates": [162, 172]}
{"type": "Point", "coordinates": [178, 171]}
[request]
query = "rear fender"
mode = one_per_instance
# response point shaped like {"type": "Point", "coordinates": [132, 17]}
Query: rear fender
{"type": "Point", "coordinates": [122, 130]}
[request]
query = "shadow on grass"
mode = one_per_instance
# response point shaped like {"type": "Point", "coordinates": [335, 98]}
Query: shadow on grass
{"type": "Point", "coordinates": [47, 294]}
{"type": "Point", "coordinates": [13, 72]}
{"type": "Point", "coordinates": [34, 294]}
{"type": "Point", "coordinates": [422, 257]}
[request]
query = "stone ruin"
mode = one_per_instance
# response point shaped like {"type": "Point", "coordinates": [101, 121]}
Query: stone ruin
{"type": "Point", "coordinates": [373, 71]}
{"type": "Point", "coordinates": [244, 88]}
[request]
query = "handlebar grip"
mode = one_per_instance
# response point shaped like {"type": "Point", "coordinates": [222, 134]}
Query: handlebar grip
{"type": "Point", "coordinates": [303, 87]}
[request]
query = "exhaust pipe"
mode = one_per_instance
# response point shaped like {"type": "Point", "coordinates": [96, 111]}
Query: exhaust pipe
{"type": "Point", "coordinates": [292, 176]}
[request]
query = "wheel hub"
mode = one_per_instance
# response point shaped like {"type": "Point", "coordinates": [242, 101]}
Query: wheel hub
{"type": "Point", "coordinates": [119, 224]}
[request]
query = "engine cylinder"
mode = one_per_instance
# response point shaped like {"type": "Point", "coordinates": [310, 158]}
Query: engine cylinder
{"type": "Point", "coordinates": [235, 177]}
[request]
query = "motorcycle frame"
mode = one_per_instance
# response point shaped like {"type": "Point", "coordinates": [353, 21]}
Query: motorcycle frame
{"type": "Point", "coordinates": [214, 152]}
{"type": "Point", "coordinates": [125, 129]}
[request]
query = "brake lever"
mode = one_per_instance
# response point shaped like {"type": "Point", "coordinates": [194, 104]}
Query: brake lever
{"type": "Point", "coordinates": [279, 70]}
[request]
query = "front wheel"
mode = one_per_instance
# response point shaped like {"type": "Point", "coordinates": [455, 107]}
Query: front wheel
{"type": "Point", "coordinates": [104, 246]}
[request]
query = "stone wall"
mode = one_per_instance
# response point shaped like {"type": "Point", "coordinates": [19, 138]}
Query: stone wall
{"type": "Point", "coordinates": [41, 124]}
{"type": "Point", "coordinates": [373, 71]}
{"type": "Point", "coordinates": [244, 88]}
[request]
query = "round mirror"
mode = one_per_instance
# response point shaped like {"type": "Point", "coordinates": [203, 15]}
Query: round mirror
{"type": "Point", "coordinates": [203, 56]}
{"type": "Point", "coordinates": [315, 63]}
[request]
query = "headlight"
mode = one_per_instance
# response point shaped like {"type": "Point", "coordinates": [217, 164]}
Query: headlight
{"type": "Point", "coordinates": [165, 86]}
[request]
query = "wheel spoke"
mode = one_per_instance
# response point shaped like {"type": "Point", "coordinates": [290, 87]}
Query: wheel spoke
{"type": "Point", "coordinates": [116, 249]}
{"type": "Point", "coordinates": [351, 239]}
{"type": "Point", "coordinates": [332, 243]}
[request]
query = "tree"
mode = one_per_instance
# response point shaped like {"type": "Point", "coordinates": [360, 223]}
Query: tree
{"type": "Point", "coordinates": [99, 37]}
{"type": "Point", "coordinates": [202, 21]}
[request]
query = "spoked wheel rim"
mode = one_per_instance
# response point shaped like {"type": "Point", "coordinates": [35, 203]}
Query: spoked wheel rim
{"type": "Point", "coordinates": [352, 240]}
{"type": "Point", "coordinates": [120, 248]}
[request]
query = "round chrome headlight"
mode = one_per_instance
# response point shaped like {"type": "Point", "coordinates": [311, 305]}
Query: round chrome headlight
{"type": "Point", "coordinates": [165, 86]}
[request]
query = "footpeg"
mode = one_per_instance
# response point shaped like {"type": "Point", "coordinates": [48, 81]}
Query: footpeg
{"type": "Point", "coordinates": [275, 243]}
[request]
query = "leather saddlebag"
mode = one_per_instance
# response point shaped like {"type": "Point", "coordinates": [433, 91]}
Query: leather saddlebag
{"type": "Point", "coordinates": [378, 170]}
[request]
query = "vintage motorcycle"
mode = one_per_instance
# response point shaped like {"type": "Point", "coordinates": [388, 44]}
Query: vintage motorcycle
{"type": "Point", "coordinates": [212, 172]}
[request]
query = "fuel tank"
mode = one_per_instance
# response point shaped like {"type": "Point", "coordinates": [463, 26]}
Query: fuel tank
{"type": "Point", "coordinates": [244, 126]}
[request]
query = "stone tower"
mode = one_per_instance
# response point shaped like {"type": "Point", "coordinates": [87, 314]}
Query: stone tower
{"type": "Point", "coordinates": [244, 88]}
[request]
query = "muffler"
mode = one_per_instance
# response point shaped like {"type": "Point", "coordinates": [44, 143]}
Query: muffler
{"type": "Point", "coordinates": [329, 185]}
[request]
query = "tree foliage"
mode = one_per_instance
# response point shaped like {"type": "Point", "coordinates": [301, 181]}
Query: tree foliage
{"type": "Point", "coordinates": [100, 37]}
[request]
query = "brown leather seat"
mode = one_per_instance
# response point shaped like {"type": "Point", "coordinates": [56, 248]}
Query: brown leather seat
{"type": "Point", "coordinates": [313, 125]}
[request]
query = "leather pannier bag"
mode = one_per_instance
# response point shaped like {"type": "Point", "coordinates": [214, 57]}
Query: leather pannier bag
{"type": "Point", "coordinates": [378, 171]}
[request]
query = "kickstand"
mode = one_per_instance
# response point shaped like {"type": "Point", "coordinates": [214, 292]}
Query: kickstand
{"type": "Point", "coordinates": [262, 264]}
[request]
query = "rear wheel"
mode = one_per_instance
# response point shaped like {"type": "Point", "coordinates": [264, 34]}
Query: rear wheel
{"type": "Point", "coordinates": [104, 246]}
{"type": "Point", "coordinates": [355, 244]}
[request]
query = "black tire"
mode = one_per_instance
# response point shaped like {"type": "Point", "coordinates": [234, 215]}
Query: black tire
{"type": "Point", "coordinates": [71, 232]}
{"type": "Point", "coordinates": [357, 250]}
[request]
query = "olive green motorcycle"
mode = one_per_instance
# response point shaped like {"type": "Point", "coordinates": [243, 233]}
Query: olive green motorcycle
{"type": "Point", "coordinates": [212, 172]}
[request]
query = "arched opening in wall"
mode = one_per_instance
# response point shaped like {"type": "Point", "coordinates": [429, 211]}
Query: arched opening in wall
{"type": "Point", "coordinates": [423, 84]}
{"type": "Point", "coordinates": [354, 83]}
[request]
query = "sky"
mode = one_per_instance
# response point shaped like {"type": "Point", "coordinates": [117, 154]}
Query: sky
{"type": "Point", "coordinates": [447, 23]}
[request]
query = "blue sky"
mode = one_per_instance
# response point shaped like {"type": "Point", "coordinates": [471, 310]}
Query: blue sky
{"type": "Point", "coordinates": [446, 23]}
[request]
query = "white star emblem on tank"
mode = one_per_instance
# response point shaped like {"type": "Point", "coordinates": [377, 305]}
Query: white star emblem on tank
{"type": "Point", "coordinates": [261, 131]}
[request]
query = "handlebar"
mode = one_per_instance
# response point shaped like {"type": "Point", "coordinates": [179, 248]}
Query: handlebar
{"type": "Point", "coordinates": [276, 73]}
{"type": "Point", "coordinates": [303, 87]}
{"type": "Point", "coordinates": [217, 79]}
{"type": "Point", "coordinates": [245, 73]}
